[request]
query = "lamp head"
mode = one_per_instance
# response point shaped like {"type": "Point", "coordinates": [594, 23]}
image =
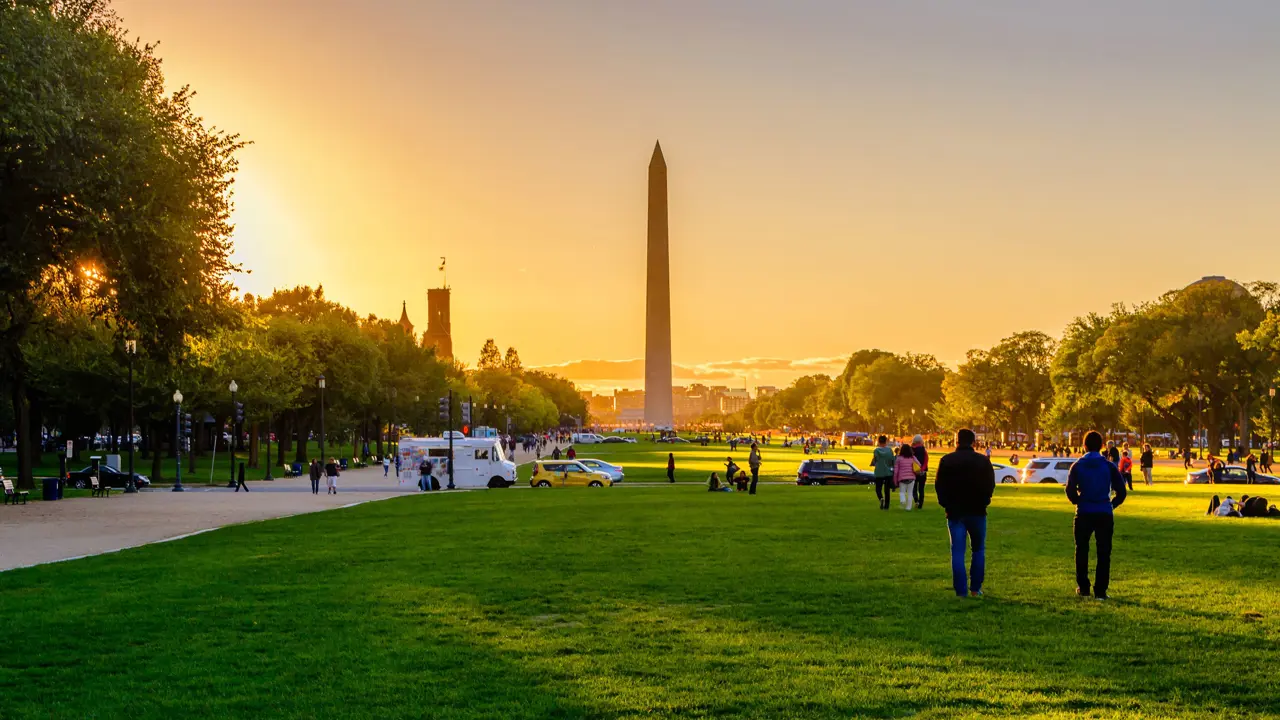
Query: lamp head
{"type": "Point", "coordinates": [177, 396]}
{"type": "Point", "coordinates": [233, 387]}
{"type": "Point", "coordinates": [320, 382]}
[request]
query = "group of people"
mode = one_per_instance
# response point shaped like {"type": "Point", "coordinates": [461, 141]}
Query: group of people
{"type": "Point", "coordinates": [734, 476]}
{"type": "Point", "coordinates": [1246, 506]}
{"type": "Point", "coordinates": [329, 471]}
{"type": "Point", "coordinates": [904, 471]}
{"type": "Point", "coordinates": [965, 482]}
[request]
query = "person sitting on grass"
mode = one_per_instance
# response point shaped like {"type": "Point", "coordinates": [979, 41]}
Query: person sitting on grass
{"type": "Point", "coordinates": [713, 483]}
{"type": "Point", "coordinates": [1255, 506]}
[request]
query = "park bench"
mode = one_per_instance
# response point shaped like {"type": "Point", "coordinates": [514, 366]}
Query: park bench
{"type": "Point", "coordinates": [293, 470]}
{"type": "Point", "coordinates": [342, 464]}
{"type": "Point", "coordinates": [11, 495]}
{"type": "Point", "coordinates": [100, 489]}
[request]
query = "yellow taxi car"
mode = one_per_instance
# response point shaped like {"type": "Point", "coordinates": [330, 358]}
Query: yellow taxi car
{"type": "Point", "coordinates": [566, 473]}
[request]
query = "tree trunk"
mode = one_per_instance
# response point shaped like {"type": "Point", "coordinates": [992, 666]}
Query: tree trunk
{"type": "Point", "coordinates": [22, 421]}
{"type": "Point", "coordinates": [283, 437]}
{"type": "Point", "coordinates": [254, 441]}
{"type": "Point", "coordinates": [300, 452]}
{"type": "Point", "coordinates": [156, 454]}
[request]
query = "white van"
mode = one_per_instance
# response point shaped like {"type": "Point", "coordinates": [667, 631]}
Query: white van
{"type": "Point", "coordinates": [586, 439]}
{"type": "Point", "coordinates": [477, 462]}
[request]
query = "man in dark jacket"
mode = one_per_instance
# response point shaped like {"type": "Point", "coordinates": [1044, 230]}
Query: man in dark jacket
{"type": "Point", "coordinates": [315, 477]}
{"type": "Point", "coordinates": [964, 484]}
{"type": "Point", "coordinates": [1091, 484]}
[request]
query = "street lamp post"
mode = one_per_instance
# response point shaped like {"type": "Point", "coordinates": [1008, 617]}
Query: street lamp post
{"type": "Point", "coordinates": [130, 349]}
{"type": "Point", "coordinates": [177, 438]}
{"type": "Point", "coordinates": [320, 383]}
{"type": "Point", "coordinates": [233, 387]}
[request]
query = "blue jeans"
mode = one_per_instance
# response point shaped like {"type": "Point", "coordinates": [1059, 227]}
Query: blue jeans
{"type": "Point", "coordinates": [975, 526]}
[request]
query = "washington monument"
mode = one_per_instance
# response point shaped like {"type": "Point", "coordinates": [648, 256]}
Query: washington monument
{"type": "Point", "coordinates": [657, 344]}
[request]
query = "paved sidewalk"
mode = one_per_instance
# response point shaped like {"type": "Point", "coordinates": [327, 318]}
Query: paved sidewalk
{"type": "Point", "coordinates": [41, 532]}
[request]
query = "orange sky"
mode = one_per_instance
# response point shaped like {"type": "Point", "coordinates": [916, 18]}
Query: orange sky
{"type": "Point", "coordinates": [920, 175]}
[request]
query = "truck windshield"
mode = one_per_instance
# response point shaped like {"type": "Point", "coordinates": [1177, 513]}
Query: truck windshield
{"type": "Point", "coordinates": [498, 454]}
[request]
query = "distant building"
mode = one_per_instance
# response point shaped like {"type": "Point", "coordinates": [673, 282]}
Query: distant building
{"type": "Point", "coordinates": [404, 319]}
{"type": "Point", "coordinates": [600, 407]}
{"type": "Point", "coordinates": [439, 332]}
{"type": "Point", "coordinates": [764, 391]}
{"type": "Point", "coordinates": [625, 400]}
{"type": "Point", "coordinates": [734, 400]}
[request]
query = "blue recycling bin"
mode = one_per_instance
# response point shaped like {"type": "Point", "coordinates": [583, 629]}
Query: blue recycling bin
{"type": "Point", "coordinates": [49, 489]}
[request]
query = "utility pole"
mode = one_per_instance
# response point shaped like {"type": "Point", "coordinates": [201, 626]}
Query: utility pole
{"type": "Point", "coordinates": [131, 349]}
{"type": "Point", "coordinates": [450, 431]}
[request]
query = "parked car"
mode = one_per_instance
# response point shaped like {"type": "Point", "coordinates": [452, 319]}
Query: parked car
{"type": "Point", "coordinates": [613, 471]}
{"type": "Point", "coordinates": [566, 473]}
{"type": "Point", "coordinates": [107, 475]}
{"type": "Point", "coordinates": [586, 439]}
{"type": "Point", "coordinates": [1005, 474]}
{"type": "Point", "coordinates": [616, 439]}
{"type": "Point", "coordinates": [673, 439]}
{"type": "Point", "coordinates": [1231, 475]}
{"type": "Point", "coordinates": [831, 472]}
{"type": "Point", "coordinates": [1047, 470]}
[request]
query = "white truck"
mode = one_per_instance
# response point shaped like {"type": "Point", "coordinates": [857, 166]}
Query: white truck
{"type": "Point", "coordinates": [477, 462]}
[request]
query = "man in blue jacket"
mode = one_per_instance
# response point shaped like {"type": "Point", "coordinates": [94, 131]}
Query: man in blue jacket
{"type": "Point", "coordinates": [1096, 488]}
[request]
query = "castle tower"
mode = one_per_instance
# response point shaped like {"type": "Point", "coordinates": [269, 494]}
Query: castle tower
{"type": "Point", "coordinates": [657, 345]}
{"type": "Point", "coordinates": [439, 332]}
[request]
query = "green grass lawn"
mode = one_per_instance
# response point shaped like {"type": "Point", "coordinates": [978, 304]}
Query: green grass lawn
{"type": "Point", "coordinates": [654, 602]}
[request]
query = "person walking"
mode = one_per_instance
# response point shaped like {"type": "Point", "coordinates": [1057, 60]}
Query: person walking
{"type": "Point", "coordinates": [1096, 488]}
{"type": "Point", "coordinates": [240, 480]}
{"type": "Point", "coordinates": [424, 475]}
{"type": "Point", "coordinates": [753, 462]}
{"type": "Point", "coordinates": [882, 467]}
{"type": "Point", "coordinates": [1250, 468]}
{"type": "Point", "coordinates": [331, 472]}
{"type": "Point", "coordinates": [964, 484]}
{"type": "Point", "coordinates": [555, 453]}
{"type": "Point", "coordinates": [1113, 453]}
{"type": "Point", "coordinates": [1147, 461]}
{"type": "Point", "coordinates": [904, 476]}
{"type": "Point", "coordinates": [671, 467]}
{"type": "Point", "coordinates": [315, 476]}
{"type": "Point", "coordinates": [1126, 469]}
{"type": "Point", "coordinates": [922, 457]}
{"type": "Point", "coordinates": [386, 465]}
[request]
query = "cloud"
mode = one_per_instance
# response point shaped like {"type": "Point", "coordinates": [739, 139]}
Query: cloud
{"type": "Point", "coordinates": [595, 372]}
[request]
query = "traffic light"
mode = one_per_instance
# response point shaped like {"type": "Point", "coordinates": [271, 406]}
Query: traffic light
{"type": "Point", "coordinates": [444, 410]}
{"type": "Point", "coordinates": [466, 430]}
{"type": "Point", "coordinates": [239, 413]}
{"type": "Point", "coordinates": [466, 413]}
{"type": "Point", "coordinates": [186, 424]}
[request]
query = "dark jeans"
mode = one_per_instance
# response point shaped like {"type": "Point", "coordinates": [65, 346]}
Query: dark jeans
{"type": "Point", "coordinates": [1128, 479]}
{"type": "Point", "coordinates": [671, 474]}
{"type": "Point", "coordinates": [975, 528]}
{"type": "Point", "coordinates": [884, 489]}
{"type": "Point", "coordinates": [755, 476]}
{"type": "Point", "coordinates": [918, 491]}
{"type": "Point", "coordinates": [315, 486]}
{"type": "Point", "coordinates": [1101, 526]}
{"type": "Point", "coordinates": [240, 484]}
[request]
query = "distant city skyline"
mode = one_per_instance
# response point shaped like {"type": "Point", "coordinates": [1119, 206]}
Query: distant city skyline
{"type": "Point", "coordinates": [912, 176]}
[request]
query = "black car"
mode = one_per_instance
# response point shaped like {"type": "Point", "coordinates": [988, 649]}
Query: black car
{"type": "Point", "coordinates": [831, 472]}
{"type": "Point", "coordinates": [109, 476]}
{"type": "Point", "coordinates": [1231, 475]}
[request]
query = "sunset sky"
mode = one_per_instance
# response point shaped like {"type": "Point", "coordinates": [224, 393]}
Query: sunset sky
{"type": "Point", "coordinates": [911, 175]}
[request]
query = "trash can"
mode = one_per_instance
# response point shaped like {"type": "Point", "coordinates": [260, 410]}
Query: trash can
{"type": "Point", "coordinates": [49, 489]}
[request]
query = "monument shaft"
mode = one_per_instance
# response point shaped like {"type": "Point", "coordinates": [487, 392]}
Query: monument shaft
{"type": "Point", "coordinates": [657, 349]}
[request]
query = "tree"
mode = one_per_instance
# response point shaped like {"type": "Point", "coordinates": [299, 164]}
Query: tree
{"type": "Point", "coordinates": [110, 189]}
{"type": "Point", "coordinates": [511, 361]}
{"type": "Point", "coordinates": [490, 357]}
{"type": "Point", "coordinates": [886, 390]}
{"type": "Point", "coordinates": [1003, 386]}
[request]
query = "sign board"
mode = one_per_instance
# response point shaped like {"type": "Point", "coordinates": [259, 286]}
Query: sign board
{"type": "Point", "coordinates": [71, 449]}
